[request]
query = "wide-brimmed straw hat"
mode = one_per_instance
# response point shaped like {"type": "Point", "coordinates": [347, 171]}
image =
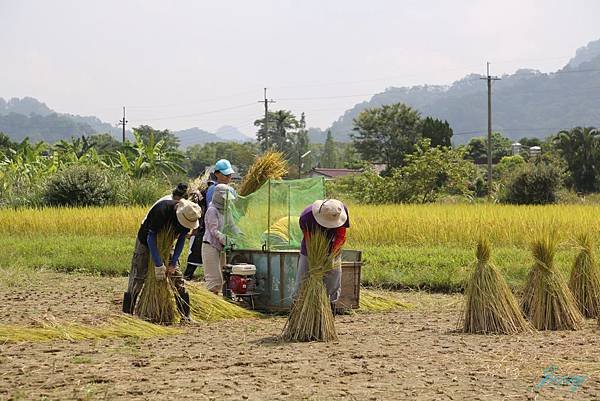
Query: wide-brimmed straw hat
{"type": "Point", "coordinates": [188, 214]}
{"type": "Point", "coordinates": [329, 213]}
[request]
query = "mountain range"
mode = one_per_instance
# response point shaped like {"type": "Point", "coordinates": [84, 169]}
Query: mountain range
{"type": "Point", "coordinates": [527, 103]}
{"type": "Point", "coordinates": [28, 117]}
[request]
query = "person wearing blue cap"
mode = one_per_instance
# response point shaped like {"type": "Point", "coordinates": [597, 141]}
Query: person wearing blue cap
{"type": "Point", "coordinates": [223, 173]}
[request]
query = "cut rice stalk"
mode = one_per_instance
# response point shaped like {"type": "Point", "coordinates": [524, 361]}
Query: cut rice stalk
{"type": "Point", "coordinates": [375, 301]}
{"type": "Point", "coordinates": [490, 306]}
{"type": "Point", "coordinates": [311, 318]}
{"type": "Point", "coordinates": [156, 302]}
{"type": "Point", "coordinates": [547, 301]}
{"type": "Point", "coordinates": [269, 166]}
{"type": "Point", "coordinates": [122, 326]}
{"type": "Point", "coordinates": [585, 278]}
{"type": "Point", "coordinates": [207, 306]}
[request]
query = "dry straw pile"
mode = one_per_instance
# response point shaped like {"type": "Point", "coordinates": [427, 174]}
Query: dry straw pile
{"type": "Point", "coordinates": [585, 278]}
{"type": "Point", "coordinates": [269, 166]}
{"type": "Point", "coordinates": [547, 301]}
{"type": "Point", "coordinates": [122, 326]}
{"type": "Point", "coordinates": [311, 318]}
{"type": "Point", "coordinates": [207, 306]}
{"type": "Point", "coordinates": [490, 306]}
{"type": "Point", "coordinates": [156, 302]}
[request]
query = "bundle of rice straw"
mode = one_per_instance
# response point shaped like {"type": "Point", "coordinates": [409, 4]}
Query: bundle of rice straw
{"type": "Point", "coordinates": [547, 301]}
{"type": "Point", "coordinates": [490, 306]}
{"type": "Point", "coordinates": [311, 318]}
{"type": "Point", "coordinates": [585, 278]}
{"type": "Point", "coordinates": [156, 303]}
{"type": "Point", "coordinates": [271, 165]}
{"type": "Point", "coordinates": [200, 183]}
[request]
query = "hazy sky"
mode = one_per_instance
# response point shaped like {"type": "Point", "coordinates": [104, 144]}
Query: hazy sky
{"type": "Point", "coordinates": [179, 64]}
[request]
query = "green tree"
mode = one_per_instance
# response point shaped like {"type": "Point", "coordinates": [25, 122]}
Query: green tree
{"type": "Point", "coordinates": [300, 144]}
{"type": "Point", "coordinates": [282, 124]}
{"type": "Point", "coordinates": [438, 131]}
{"type": "Point", "coordinates": [387, 134]}
{"type": "Point", "coordinates": [477, 148]}
{"type": "Point", "coordinates": [169, 140]}
{"type": "Point", "coordinates": [6, 144]}
{"type": "Point", "coordinates": [431, 172]}
{"type": "Point", "coordinates": [105, 144]}
{"type": "Point", "coordinates": [579, 147]}
{"type": "Point", "coordinates": [148, 157]}
{"type": "Point", "coordinates": [329, 155]}
{"type": "Point", "coordinates": [534, 184]}
{"type": "Point", "coordinates": [199, 157]}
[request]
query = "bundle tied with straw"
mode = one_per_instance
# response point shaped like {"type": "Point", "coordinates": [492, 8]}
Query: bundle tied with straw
{"type": "Point", "coordinates": [490, 306]}
{"type": "Point", "coordinates": [547, 301]}
{"type": "Point", "coordinates": [311, 318]}
{"type": "Point", "coordinates": [156, 303]}
{"type": "Point", "coordinates": [271, 165]}
{"type": "Point", "coordinates": [585, 278]}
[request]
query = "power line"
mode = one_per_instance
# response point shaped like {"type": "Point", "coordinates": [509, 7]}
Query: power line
{"type": "Point", "coordinates": [198, 114]}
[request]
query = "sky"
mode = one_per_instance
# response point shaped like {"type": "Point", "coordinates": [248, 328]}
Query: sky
{"type": "Point", "coordinates": [180, 64]}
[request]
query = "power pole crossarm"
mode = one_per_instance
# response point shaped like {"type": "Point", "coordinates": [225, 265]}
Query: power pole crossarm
{"type": "Point", "coordinates": [489, 80]}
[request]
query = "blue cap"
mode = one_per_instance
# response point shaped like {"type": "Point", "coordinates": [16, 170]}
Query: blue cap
{"type": "Point", "coordinates": [224, 167]}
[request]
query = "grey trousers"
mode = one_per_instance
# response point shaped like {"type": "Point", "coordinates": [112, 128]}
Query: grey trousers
{"type": "Point", "coordinates": [332, 279]}
{"type": "Point", "coordinates": [139, 269]}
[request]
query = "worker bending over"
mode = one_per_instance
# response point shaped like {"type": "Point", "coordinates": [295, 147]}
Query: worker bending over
{"type": "Point", "coordinates": [179, 216]}
{"type": "Point", "coordinates": [329, 216]}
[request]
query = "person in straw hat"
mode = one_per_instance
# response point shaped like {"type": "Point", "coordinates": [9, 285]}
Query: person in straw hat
{"type": "Point", "coordinates": [181, 217]}
{"type": "Point", "coordinates": [331, 217]}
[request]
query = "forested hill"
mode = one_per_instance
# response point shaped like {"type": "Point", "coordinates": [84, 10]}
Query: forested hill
{"type": "Point", "coordinates": [526, 103]}
{"type": "Point", "coordinates": [28, 117]}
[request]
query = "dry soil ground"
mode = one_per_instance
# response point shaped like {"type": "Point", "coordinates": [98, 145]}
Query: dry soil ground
{"type": "Point", "coordinates": [407, 354]}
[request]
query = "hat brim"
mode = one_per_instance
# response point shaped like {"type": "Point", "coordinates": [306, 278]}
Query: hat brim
{"type": "Point", "coordinates": [324, 221]}
{"type": "Point", "coordinates": [228, 171]}
{"type": "Point", "coordinates": [192, 225]}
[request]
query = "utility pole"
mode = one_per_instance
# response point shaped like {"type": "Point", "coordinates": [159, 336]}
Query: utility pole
{"type": "Point", "coordinates": [266, 116]}
{"type": "Point", "coordinates": [123, 122]}
{"type": "Point", "coordinates": [489, 80]}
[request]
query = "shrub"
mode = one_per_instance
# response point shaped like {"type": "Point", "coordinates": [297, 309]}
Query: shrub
{"type": "Point", "coordinates": [80, 185]}
{"type": "Point", "coordinates": [146, 191]}
{"type": "Point", "coordinates": [534, 184]}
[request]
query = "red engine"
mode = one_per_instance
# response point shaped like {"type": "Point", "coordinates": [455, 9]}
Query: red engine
{"type": "Point", "coordinates": [238, 284]}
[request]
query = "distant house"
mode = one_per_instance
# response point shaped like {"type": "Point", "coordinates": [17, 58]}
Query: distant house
{"type": "Point", "coordinates": [331, 173]}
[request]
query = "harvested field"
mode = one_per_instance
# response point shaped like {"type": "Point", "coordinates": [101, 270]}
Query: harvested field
{"type": "Point", "coordinates": [410, 353]}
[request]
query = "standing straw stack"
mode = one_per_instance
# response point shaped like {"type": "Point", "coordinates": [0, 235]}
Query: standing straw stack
{"type": "Point", "coordinates": [157, 299]}
{"type": "Point", "coordinates": [311, 318]}
{"type": "Point", "coordinates": [271, 165]}
{"type": "Point", "coordinates": [490, 306]}
{"type": "Point", "coordinates": [585, 278]}
{"type": "Point", "coordinates": [547, 301]}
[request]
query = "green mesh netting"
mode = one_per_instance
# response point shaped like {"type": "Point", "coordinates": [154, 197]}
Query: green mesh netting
{"type": "Point", "coordinates": [269, 216]}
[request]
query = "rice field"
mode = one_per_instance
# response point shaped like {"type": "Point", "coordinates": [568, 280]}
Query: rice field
{"type": "Point", "coordinates": [404, 246]}
{"type": "Point", "coordinates": [414, 225]}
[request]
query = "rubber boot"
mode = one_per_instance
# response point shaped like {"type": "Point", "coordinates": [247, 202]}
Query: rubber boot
{"type": "Point", "coordinates": [188, 274]}
{"type": "Point", "coordinates": [129, 303]}
{"type": "Point", "coordinates": [183, 305]}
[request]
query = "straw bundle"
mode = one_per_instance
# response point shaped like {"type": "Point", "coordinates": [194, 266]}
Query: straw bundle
{"type": "Point", "coordinates": [311, 318]}
{"type": "Point", "coordinates": [547, 301]}
{"type": "Point", "coordinates": [490, 306]}
{"type": "Point", "coordinates": [207, 306]}
{"type": "Point", "coordinates": [271, 165]}
{"type": "Point", "coordinates": [585, 278]}
{"type": "Point", "coordinates": [156, 303]}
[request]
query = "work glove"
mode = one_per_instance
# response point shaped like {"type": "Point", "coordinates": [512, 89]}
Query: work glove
{"type": "Point", "coordinates": [160, 272]}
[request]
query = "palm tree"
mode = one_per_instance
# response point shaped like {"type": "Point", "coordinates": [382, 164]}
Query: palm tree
{"type": "Point", "coordinates": [580, 148]}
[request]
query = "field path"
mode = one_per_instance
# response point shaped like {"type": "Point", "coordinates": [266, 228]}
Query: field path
{"type": "Point", "coordinates": [408, 354]}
